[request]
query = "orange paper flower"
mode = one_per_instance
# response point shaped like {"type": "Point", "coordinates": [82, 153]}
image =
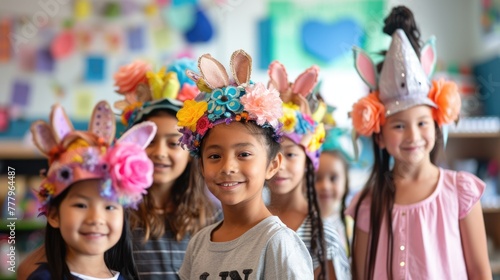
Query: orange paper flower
{"type": "Point", "coordinates": [445, 95]}
{"type": "Point", "coordinates": [368, 115]}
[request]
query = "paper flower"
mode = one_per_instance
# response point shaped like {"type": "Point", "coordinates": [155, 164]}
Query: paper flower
{"type": "Point", "coordinates": [128, 77]}
{"type": "Point", "coordinates": [189, 114]}
{"type": "Point", "coordinates": [445, 95]}
{"type": "Point", "coordinates": [262, 104]}
{"type": "Point", "coordinates": [317, 139]}
{"type": "Point", "coordinates": [368, 114]}
{"type": "Point", "coordinates": [163, 84]}
{"type": "Point", "coordinates": [188, 92]}
{"type": "Point", "coordinates": [220, 100]}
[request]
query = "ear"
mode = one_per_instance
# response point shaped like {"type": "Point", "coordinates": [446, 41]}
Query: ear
{"type": "Point", "coordinates": [241, 67]}
{"type": "Point", "coordinates": [102, 122]}
{"type": "Point", "coordinates": [43, 136]}
{"type": "Point", "coordinates": [53, 217]}
{"type": "Point", "coordinates": [60, 122]}
{"type": "Point", "coordinates": [274, 166]}
{"type": "Point", "coordinates": [213, 72]}
{"type": "Point", "coordinates": [365, 67]}
{"type": "Point", "coordinates": [428, 56]}
{"type": "Point", "coordinates": [305, 82]}
{"type": "Point", "coordinates": [279, 78]}
{"type": "Point", "coordinates": [141, 134]}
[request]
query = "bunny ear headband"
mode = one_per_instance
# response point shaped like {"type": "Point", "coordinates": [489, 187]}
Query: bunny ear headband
{"type": "Point", "coordinates": [403, 83]}
{"type": "Point", "coordinates": [74, 156]}
{"type": "Point", "coordinates": [298, 123]}
{"type": "Point", "coordinates": [225, 101]}
{"type": "Point", "coordinates": [146, 91]}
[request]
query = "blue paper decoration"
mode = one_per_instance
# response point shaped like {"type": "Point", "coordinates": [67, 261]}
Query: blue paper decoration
{"type": "Point", "coordinates": [135, 38]}
{"type": "Point", "coordinates": [328, 41]}
{"type": "Point", "coordinates": [202, 30]}
{"type": "Point", "coordinates": [95, 69]}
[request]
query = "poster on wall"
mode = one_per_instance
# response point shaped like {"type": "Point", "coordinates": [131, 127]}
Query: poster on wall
{"type": "Point", "coordinates": [490, 22]}
{"type": "Point", "coordinates": [321, 32]}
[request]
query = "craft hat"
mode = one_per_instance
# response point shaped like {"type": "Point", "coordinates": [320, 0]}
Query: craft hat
{"type": "Point", "coordinates": [298, 123]}
{"type": "Point", "coordinates": [125, 169]}
{"type": "Point", "coordinates": [223, 100]}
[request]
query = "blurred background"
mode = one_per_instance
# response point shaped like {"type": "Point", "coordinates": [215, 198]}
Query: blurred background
{"type": "Point", "coordinates": [66, 51]}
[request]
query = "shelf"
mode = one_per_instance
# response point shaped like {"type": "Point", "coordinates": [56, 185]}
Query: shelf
{"type": "Point", "coordinates": [11, 149]}
{"type": "Point", "coordinates": [474, 135]}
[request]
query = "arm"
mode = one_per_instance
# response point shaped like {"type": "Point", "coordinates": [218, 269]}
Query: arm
{"type": "Point", "coordinates": [330, 271]}
{"type": "Point", "coordinates": [30, 263]}
{"type": "Point", "coordinates": [474, 246]}
{"type": "Point", "coordinates": [360, 250]}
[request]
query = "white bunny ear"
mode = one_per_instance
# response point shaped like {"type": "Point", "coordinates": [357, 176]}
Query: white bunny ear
{"type": "Point", "coordinates": [102, 122]}
{"type": "Point", "coordinates": [279, 78]}
{"type": "Point", "coordinates": [213, 72]}
{"type": "Point", "coordinates": [365, 67]}
{"type": "Point", "coordinates": [428, 56]}
{"type": "Point", "coordinates": [241, 67]}
{"type": "Point", "coordinates": [141, 134]}
{"type": "Point", "coordinates": [60, 122]}
{"type": "Point", "coordinates": [43, 137]}
{"type": "Point", "coordinates": [305, 82]}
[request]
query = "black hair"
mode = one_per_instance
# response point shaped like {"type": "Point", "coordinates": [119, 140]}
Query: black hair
{"type": "Point", "coordinates": [118, 258]}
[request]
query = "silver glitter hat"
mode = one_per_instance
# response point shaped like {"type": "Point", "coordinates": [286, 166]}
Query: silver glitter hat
{"type": "Point", "coordinates": [404, 79]}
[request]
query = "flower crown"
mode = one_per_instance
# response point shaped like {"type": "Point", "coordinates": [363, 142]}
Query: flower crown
{"type": "Point", "coordinates": [145, 90]}
{"type": "Point", "coordinates": [125, 169]}
{"type": "Point", "coordinates": [403, 83]}
{"type": "Point", "coordinates": [298, 123]}
{"type": "Point", "coordinates": [222, 101]}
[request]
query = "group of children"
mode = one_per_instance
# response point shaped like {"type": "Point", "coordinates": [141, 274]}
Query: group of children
{"type": "Point", "coordinates": [143, 207]}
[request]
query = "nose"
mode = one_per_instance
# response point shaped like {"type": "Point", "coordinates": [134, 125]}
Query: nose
{"type": "Point", "coordinates": [412, 133]}
{"type": "Point", "coordinates": [229, 166]}
{"type": "Point", "coordinates": [95, 216]}
{"type": "Point", "coordinates": [160, 150]}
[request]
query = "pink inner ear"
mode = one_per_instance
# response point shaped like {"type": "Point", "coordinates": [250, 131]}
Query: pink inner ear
{"type": "Point", "coordinates": [213, 71]}
{"type": "Point", "coordinates": [140, 134]}
{"type": "Point", "coordinates": [60, 123]}
{"type": "Point", "coordinates": [278, 75]}
{"type": "Point", "coordinates": [427, 59]}
{"type": "Point", "coordinates": [366, 69]}
{"type": "Point", "coordinates": [305, 82]}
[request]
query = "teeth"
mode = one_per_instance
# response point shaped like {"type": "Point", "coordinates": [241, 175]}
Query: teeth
{"type": "Point", "coordinates": [228, 184]}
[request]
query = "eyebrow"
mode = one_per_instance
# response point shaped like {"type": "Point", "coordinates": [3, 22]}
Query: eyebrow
{"type": "Point", "coordinates": [80, 196]}
{"type": "Point", "coordinates": [237, 145]}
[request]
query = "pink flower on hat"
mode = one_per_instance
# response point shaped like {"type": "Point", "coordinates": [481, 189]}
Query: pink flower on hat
{"type": "Point", "coordinates": [445, 95]}
{"type": "Point", "coordinates": [131, 170]}
{"type": "Point", "coordinates": [368, 115]}
{"type": "Point", "coordinates": [262, 104]}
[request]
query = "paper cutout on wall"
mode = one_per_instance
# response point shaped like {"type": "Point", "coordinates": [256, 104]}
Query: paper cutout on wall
{"type": "Point", "coordinates": [95, 69]}
{"type": "Point", "coordinates": [63, 45]}
{"type": "Point", "coordinates": [328, 41]}
{"type": "Point", "coordinates": [21, 93]}
{"type": "Point", "coordinates": [135, 38]}
{"type": "Point", "coordinates": [151, 10]}
{"type": "Point", "coordinates": [180, 18]}
{"type": "Point", "coordinates": [83, 104]}
{"type": "Point", "coordinates": [83, 9]}
{"type": "Point", "coordinates": [265, 42]}
{"type": "Point", "coordinates": [26, 59]}
{"type": "Point", "coordinates": [162, 3]}
{"type": "Point", "coordinates": [128, 7]}
{"type": "Point", "coordinates": [5, 46]}
{"type": "Point", "coordinates": [112, 10]}
{"type": "Point", "coordinates": [84, 38]}
{"type": "Point", "coordinates": [4, 119]}
{"type": "Point", "coordinates": [44, 60]}
{"type": "Point", "coordinates": [202, 31]}
{"type": "Point", "coordinates": [183, 2]}
{"type": "Point", "coordinates": [162, 38]}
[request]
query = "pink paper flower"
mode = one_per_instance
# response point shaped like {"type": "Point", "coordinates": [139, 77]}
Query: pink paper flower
{"type": "Point", "coordinates": [129, 76]}
{"type": "Point", "coordinates": [203, 125]}
{"type": "Point", "coordinates": [131, 170]}
{"type": "Point", "coordinates": [188, 92]}
{"type": "Point", "coordinates": [262, 104]}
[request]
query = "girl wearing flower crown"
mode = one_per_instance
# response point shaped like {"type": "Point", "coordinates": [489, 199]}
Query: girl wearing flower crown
{"type": "Point", "coordinates": [174, 208]}
{"type": "Point", "coordinates": [301, 148]}
{"type": "Point", "coordinates": [234, 132]}
{"type": "Point", "coordinates": [89, 183]}
{"type": "Point", "coordinates": [413, 219]}
{"type": "Point", "coordinates": [332, 182]}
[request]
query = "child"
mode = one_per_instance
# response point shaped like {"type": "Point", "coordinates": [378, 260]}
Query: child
{"type": "Point", "coordinates": [234, 132]}
{"type": "Point", "coordinates": [87, 187]}
{"type": "Point", "coordinates": [174, 208]}
{"type": "Point", "coordinates": [301, 149]}
{"type": "Point", "coordinates": [332, 183]}
{"type": "Point", "coordinates": [413, 219]}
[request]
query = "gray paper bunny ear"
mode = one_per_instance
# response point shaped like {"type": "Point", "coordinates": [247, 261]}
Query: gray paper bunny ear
{"type": "Point", "coordinates": [43, 137]}
{"type": "Point", "coordinates": [213, 72]}
{"type": "Point", "coordinates": [365, 67]}
{"type": "Point", "coordinates": [102, 122]}
{"type": "Point", "coordinates": [60, 122]}
{"type": "Point", "coordinates": [241, 67]}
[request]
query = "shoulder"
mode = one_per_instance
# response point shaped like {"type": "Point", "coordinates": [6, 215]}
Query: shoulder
{"type": "Point", "coordinates": [464, 187]}
{"type": "Point", "coordinates": [41, 273]}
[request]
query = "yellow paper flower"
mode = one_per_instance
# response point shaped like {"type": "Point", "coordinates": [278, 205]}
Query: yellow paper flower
{"type": "Point", "coordinates": [318, 138]}
{"type": "Point", "coordinates": [163, 84]}
{"type": "Point", "coordinates": [49, 188]}
{"type": "Point", "coordinates": [289, 118]}
{"type": "Point", "coordinates": [192, 111]}
{"type": "Point", "coordinates": [78, 143]}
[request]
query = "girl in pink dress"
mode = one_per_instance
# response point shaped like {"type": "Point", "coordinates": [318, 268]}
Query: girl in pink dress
{"type": "Point", "coordinates": [413, 220]}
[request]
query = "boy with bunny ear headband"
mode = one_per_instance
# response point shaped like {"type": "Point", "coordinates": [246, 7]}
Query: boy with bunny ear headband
{"type": "Point", "coordinates": [90, 180]}
{"type": "Point", "coordinates": [301, 147]}
{"type": "Point", "coordinates": [233, 129]}
{"type": "Point", "coordinates": [413, 219]}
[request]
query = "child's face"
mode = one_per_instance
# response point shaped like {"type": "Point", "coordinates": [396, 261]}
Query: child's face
{"type": "Point", "coordinates": [409, 136]}
{"type": "Point", "coordinates": [330, 183]}
{"type": "Point", "coordinates": [169, 158]}
{"type": "Point", "coordinates": [292, 170]}
{"type": "Point", "coordinates": [234, 164]}
{"type": "Point", "coordinates": [89, 224]}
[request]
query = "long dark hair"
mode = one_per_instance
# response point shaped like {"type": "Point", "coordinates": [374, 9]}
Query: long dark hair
{"type": "Point", "coordinates": [380, 188]}
{"type": "Point", "coordinates": [193, 209]}
{"type": "Point", "coordinates": [118, 258]}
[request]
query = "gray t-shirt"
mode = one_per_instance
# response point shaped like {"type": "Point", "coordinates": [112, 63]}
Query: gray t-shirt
{"type": "Point", "coordinates": [269, 250]}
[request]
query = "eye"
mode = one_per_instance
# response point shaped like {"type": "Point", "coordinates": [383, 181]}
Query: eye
{"type": "Point", "coordinates": [111, 207]}
{"type": "Point", "coordinates": [80, 205]}
{"type": "Point", "coordinates": [174, 144]}
{"type": "Point", "coordinates": [333, 178]}
{"type": "Point", "coordinates": [245, 154]}
{"type": "Point", "coordinates": [290, 155]}
{"type": "Point", "coordinates": [213, 157]}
